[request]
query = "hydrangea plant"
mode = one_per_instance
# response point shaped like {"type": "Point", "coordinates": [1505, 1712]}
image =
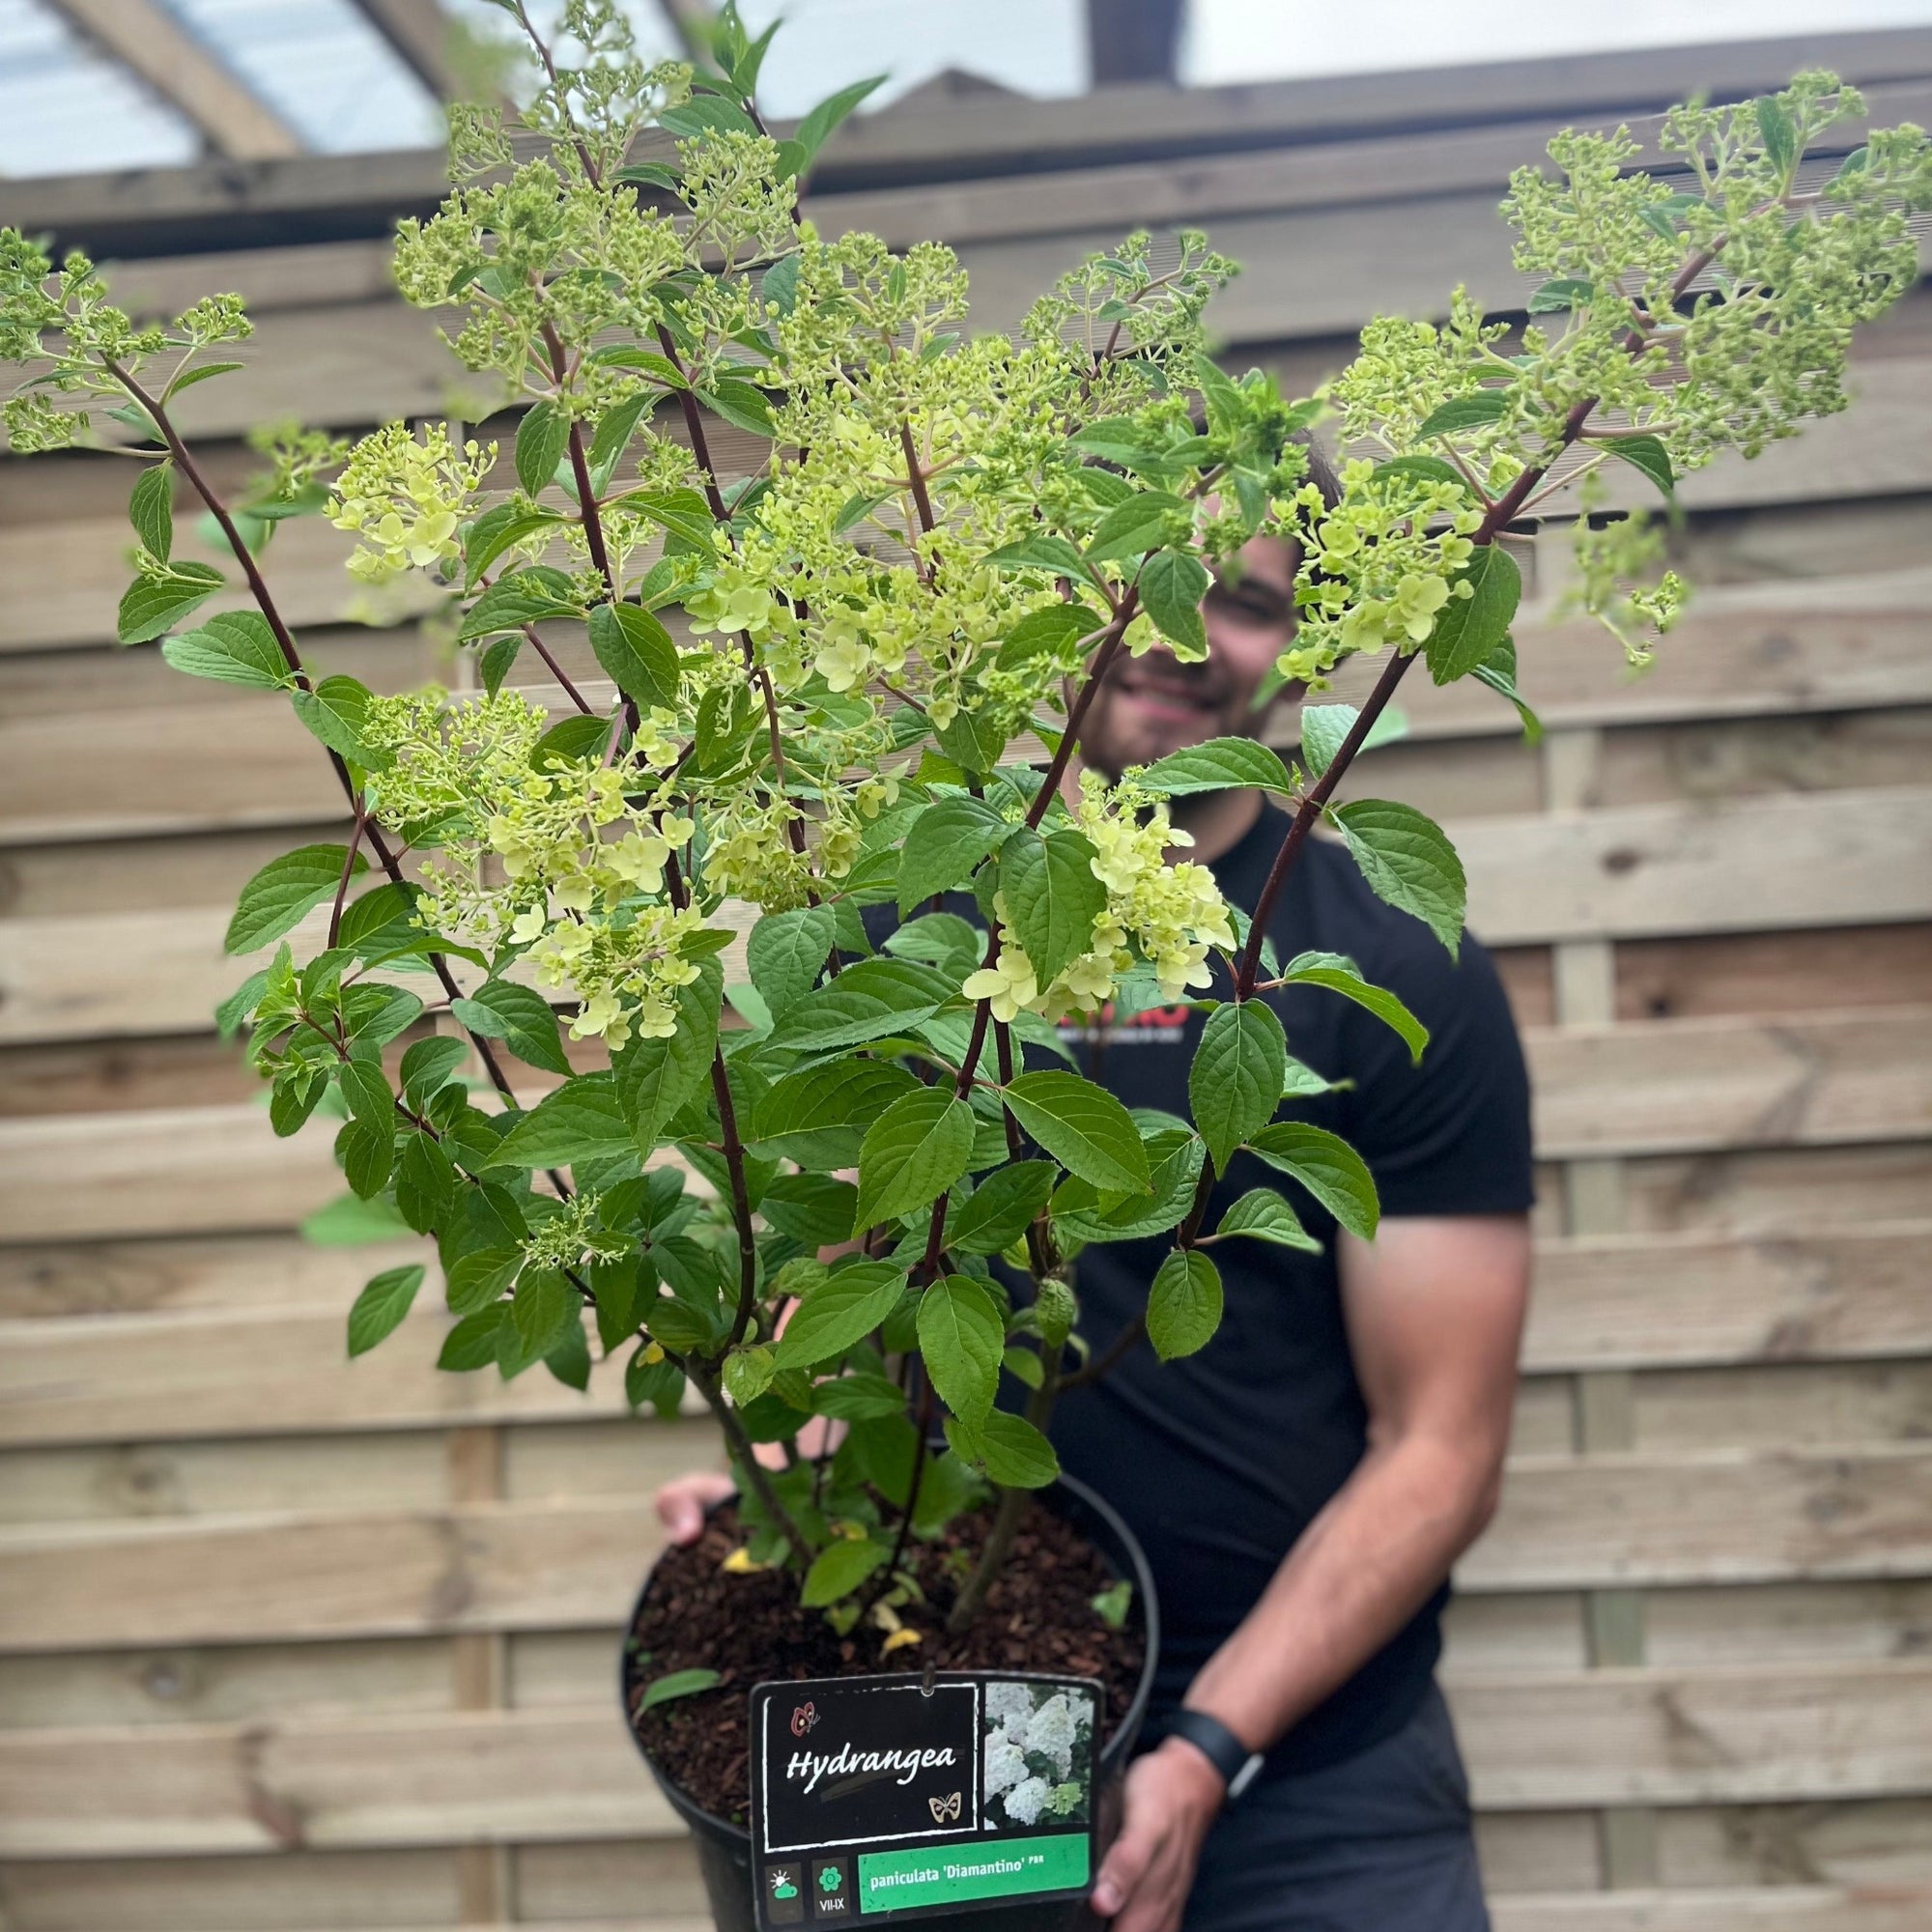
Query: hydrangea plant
{"type": "Point", "coordinates": [928, 547]}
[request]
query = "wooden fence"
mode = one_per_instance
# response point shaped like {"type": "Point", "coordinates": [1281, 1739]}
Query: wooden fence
{"type": "Point", "coordinates": [289, 1643]}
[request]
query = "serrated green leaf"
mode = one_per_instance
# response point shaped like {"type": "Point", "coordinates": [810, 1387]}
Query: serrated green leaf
{"type": "Point", "coordinates": [578, 1121]}
{"type": "Point", "coordinates": [477, 1280]}
{"type": "Point", "coordinates": [1648, 454]}
{"type": "Point", "coordinates": [525, 597]}
{"type": "Point", "coordinates": [838, 1313]}
{"type": "Point", "coordinates": [1341, 975]}
{"type": "Point", "coordinates": [429, 1065]}
{"type": "Point", "coordinates": [1131, 529]}
{"type": "Point", "coordinates": [150, 509]}
{"type": "Point", "coordinates": [818, 126]}
{"type": "Point", "coordinates": [1000, 1209]}
{"type": "Point", "coordinates": [150, 607]}
{"type": "Point", "coordinates": [818, 1117]}
{"type": "Point", "coordinates": [1052, 897]}
{"type": "Point", "coordinates": [542, 437]}
{"type": "Point", "coordinates": [490, 534]}
{"type": "Point", "coordinates": [382, 1306]}
{"type": "Point", "coordinates": [1433, 468]}
{"type": "Point", "coordinates": [945, 844]}
{"type": "Point", "coordinates": [520, 1018]}
{"type": "Point", "coordinates": [914, 1151]}
{"type": "Point", "coordinates": [656, 1076]}
{"type": "Point", "coordinates": [1183, 1304]}
{"type": "Point", "coordinates": [1409, 862]}
{"type": "Point", "coordinates": [570, 741]}
{"type": "Point", "coordinates": [961, 1339]}
{"type": "Point", "coordinates": [1564, 292]}
{"type": "Point", "coordinates": [839, 1569]}
{"type": "Point", "coordinates": [1236, 1081]}
{"type": "Point", "coordinates": [1461, 413]}
{"type": "Point", "coordinates": [1498, 672]}
{"type": "Point", "coordinates": [1052, 629]}
{"type": "Point", "coordinates": [284, 892]}
{"type": "Point", "coordinates": [1172, 585]}
{"type": "Point", "coordinates": [787, 951]}
{"type": "Point", "coordinates": [232, 648]}
{"type": "Point", "coordinates": [636, 654]}
{"type": "Point", "coordinates": [1044, 552]}
{"type": "Point", "coordinates": [1016, 1455]}
{"type": "Point", "coordinates": [1083, 1127]}
{"type": "Point", "coordinates": [1776, 130]}
{"type": "Point", "coordinates": [1467, 629]}
{"type": "Point", "coordinates": [867, 1001]}
{"type": "Point", "coordinates": [1326, 727]}
{"type": "Point", "coordinates": [1263, 1215]}
{"type": "Point", "coordinates": [334, 712]}
{"type": "Point", "coordinates": [1217, 765]}
{"type": "Point", "coordinates": [1328, 1167]}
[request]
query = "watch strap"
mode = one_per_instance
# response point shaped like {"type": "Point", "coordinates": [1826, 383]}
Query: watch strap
{"type": "Point", "coordinates": [1220, 1747]}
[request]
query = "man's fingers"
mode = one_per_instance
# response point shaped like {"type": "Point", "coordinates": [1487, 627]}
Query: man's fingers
{"type": "Point", "coordinates": [1125, 1865]}
{"type": "Point", "coordinates": [681, 1504]}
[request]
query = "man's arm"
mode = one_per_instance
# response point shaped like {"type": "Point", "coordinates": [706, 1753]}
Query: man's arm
{"type": "Point", "coordinates": [1435, 1314]}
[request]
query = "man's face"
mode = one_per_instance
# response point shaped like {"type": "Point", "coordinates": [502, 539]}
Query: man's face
{"type": "Point", "coordinates": [1151, 705]}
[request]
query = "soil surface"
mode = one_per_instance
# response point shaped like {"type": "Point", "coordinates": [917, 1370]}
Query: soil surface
{"type": "Point", "coordinates": [751, 1630]}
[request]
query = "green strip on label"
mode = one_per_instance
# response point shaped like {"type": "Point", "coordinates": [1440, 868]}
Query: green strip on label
{"type": "Point", "coordinates": [893, 1880]}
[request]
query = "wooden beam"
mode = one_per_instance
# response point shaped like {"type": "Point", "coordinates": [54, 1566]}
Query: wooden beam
{"type": "Point", "coordinates": [148, 40]}
{"type": "Point", "coordinates": [418, 31]}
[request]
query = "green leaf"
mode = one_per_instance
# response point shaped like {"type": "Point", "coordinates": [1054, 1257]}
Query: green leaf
{"type": "Point", "coordinates": [477, 1280]}
{"type": "Point", "coordinates": [525, 597]}
{"type": "Point", "coordinates": [542, 1306]}
{"type": "Point", "coordinates": [382, 1305]}
{"type": "Point", "coordinates": [1263, 1215]}
{"type": "Point", "coordinates": [684, 513]}
{"type": "Point", "coordinates": [1467, 629]}
{"type": "Point", "coordinates": [818, 1117]}
{"type": "Point", "coordinates": [1050, 631]}
{"type": "Point", "coordinates": [148, 608]}
{"type": "Point", "coordinates": [150, 509]}
{"type": "Point", "coordinates": [1326, 727]}
{"type": "Point", "coordinates": [578, 1121]}
{"type": "Point", "coordinates": [347, 1221]}
{"type": "Point", "coordinates": [1461, 413]}
{"type": "Point", "coordinates": [1234, 1084]}
{"type": "Point", "coordinates": [334, 712]}
{"type": "Point", "coordinates": [916, 1150]}
{"type": "Point", "coordinates": [1052, 897]}
{"type": "Point", "coordinates": [234, 647]}
{"type": "Point", "coordinates": [679, 1684]}
{"type": "Point", "coordinates": [520, 1018]}
{"type": "Point", "coordinates": [656, 1078]}
{"type": "Point", "coordinates": [1083, 1127]}
{"type": "Point", "coordinates": [1409, 862]}
{"type": "Point", "coordinates": [1016, 1455]}
{"type": "Point", "coordinates": [947, 841]}
{"type": "Point", "coordinates": [839, 1569]}
{"type": "Point", "coordinates": [1433, 468]}
{"type": "Point", "coordinates": [1776, 130]}
{"type": "Point", "coordinates": [1000, 1209]}
{"type": "Point", "coordinates": [472, 1343]}
{"type": "Point", "coordinates": [1217, 765]}
{"type": "Point", "coordinates": [490, 534]}
{"type": "Point", "coordinates": [365, 1089]}
{"type": "Point", "coordinates": [840, 1313]}
{"type": "Point", "coordinates": [636, 654]}
{"type": "Point", "coordinates": [741, 403]}
{"type": "Point", "coordinates": [961, 1339]}
{"type": "Point", "coordinates": [787, 951]}
{"type": "Point", "coordinates": [284, 891]}
{"type": "Point", "coordinates": [570, 741]}
{"type": "Point", "coordinates": [867, 1001]}
{"type": "Point", "coordinates": [1173, 583]}
{"type": "Point", "coordinates": [814, 1210]}
{"type": "Point", "coordinates": [1131, 529]}
{"type": "Point", "coordinates": [427, 1065]}
{"type": "Point", "coordinates": [1564, 292]}
{"type": "Point", "coordinates": [1183, 1304]}
{"type": "Point", "coordinates": [366, 1155]}
{"type": "Point", "coordinates": [1341, 975]}
{"type": "Point", "coordinates": [542, 437]}
{"type": "Point", "coordinates": [858, 1397]}
{"type": "Point", "coordinates": [1498, 672]}
{"type": "Point", "coordinates": [812, 133]}
{"type": "Point", "coordinates": [1043, 552]}
{"type": "Point", "coordinates": [1648, 454]}
{"type": "Point", "coordinates": [1328, 1167]}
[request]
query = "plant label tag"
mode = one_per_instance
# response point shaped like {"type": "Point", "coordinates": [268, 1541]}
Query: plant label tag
{"type": "Point", "coordinates": [900, 1796]}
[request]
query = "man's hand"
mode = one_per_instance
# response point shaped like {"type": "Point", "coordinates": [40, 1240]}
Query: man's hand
{"type": "Point", "coordinates": [683, 1501]}
{"type": "Point", "coordinates": [1173, 1795]}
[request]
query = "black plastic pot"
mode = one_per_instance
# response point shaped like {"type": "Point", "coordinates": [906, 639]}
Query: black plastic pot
{"type": "Point", "coordinates": [724, 1848]}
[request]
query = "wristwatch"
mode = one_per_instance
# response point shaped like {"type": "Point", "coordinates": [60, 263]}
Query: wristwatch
{"type": "Point", "coordinates": [1220, 1747]}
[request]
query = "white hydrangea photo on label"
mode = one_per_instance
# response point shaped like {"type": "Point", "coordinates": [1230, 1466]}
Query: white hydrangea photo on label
{"type": "Point", "coordinates": [1037, 1756]}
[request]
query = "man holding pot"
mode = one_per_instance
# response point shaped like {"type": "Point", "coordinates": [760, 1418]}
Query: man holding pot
{"type": "Point", "coordinates": [1304, 1483]}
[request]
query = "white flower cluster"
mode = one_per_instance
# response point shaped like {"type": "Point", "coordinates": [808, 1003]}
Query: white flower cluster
{"type": "Point", "coordinates": [404, 498]}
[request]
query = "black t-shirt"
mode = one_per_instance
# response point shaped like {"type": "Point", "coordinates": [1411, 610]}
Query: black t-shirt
{"type": "Point", "coordinates": [1219, 1461]}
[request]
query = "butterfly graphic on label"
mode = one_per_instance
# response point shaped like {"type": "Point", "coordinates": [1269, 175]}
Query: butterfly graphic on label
{"type": "Point", "coordinates": [803, 1717]}
{"type": "Point", "coordinates": [945, 1808]}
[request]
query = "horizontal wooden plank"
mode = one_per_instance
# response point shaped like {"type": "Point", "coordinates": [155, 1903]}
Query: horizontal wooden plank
{"type": "Point", "coordinates": [1793, 1908]}
{"type": "Point", "coordinates": [1839, 858]}
{"type": "Point", "coordinates": [1622, 1301]}
{"type": "Point", "coordinates": [1755, 973]}
{"type": "Point", "coordinates": [1617, 1302]}
{"type": "Point", "coordinates": [564, 1562]}
{"type": "Point", "coordinates": [1664, 1738]}
{"type": "Point", "coordinates": [1763, 1191]}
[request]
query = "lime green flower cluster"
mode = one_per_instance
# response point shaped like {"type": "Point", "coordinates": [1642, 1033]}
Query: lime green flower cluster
{"type": "Point", "coordinates": [1613, 561]}
{"type": "Point", "coordinates": [404, 497]}
{"type": "Point", "coordinates": [573, 1235]}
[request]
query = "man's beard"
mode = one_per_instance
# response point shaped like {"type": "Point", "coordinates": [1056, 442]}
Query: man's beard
{"type": "Point", "coordinates": [1203, 690]}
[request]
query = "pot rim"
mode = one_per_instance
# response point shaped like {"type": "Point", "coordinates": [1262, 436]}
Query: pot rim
{"type": "Point", "coordinates": [1120, 1741]}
